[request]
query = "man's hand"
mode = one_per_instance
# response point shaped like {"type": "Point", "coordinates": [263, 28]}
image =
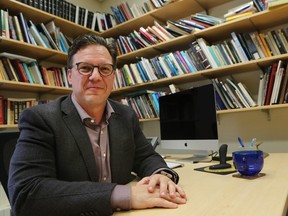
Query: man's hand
{"type": "Point", "coordinates": [157, 191]}
{"type": "Point", "coordinates": [142, 198]}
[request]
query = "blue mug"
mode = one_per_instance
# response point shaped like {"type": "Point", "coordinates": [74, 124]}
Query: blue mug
{"type": "Point", "coordinates": [248, 162]}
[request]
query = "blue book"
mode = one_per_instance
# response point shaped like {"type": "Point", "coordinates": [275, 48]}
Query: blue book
{"type": "Point", "coordinates": [27, 72]}
{"type": "Point", "coordinates": [185, 57]}
{"type": "Point", "coordinates": [142, 73]}
{"type": "Point", "coordinates": [171, 66]}
{"type": "Point", "coordinates": [214, 56]}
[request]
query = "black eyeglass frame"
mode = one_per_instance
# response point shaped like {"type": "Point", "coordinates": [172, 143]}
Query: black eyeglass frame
{"type": "Point", "coordinates": [94, 66]}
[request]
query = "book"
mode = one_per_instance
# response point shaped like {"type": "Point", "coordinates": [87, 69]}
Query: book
{"type": "Point", "coordinates": [275, 4]}
{"type": "Point", "coordinates": [243, 8]}
{"type": "Point", "coordinates": [261, 88]}
{"type": "Point", "coordinates": [239, 47]}
{"type": "Point", "coordinates": [270, 83]}
{"type": "Point", "coordinates": [24, 27]}
{"type": "Point", "coordinates": [193, 24]}
{"type": "Point", "coordinates": [178, 27]}
{"type": "Point", "coordinates": [239, 16]}
{"type": "Point", "coordinates": [19, 69]}
{"type": "Point", "coordinates": [1, 109]}
{"type": "Point", "coordinates": [246, 94]}
{"type": "Point", "coordinates": [18, 29]}
{"type": "Point", "coordinates": [204, 46]}
{"type": "Point", "coordinates": [48, 36]}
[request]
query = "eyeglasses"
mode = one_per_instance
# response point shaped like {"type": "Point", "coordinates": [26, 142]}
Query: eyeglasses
{"type": "Point", "coordinates": [87, 69]}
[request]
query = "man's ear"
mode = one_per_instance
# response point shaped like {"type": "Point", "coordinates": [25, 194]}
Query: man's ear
{"type": "Point", "coordinates": [69, 76]}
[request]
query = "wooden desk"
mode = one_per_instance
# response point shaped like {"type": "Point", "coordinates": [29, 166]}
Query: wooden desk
{"type": "Point", "coordinates": [218, 195]}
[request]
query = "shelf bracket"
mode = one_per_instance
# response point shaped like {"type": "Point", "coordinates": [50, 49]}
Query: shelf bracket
{"type": "Point", "coordinates": [268, 113]}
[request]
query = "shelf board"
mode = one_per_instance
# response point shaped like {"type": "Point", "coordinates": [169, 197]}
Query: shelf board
{"type": "Point", "coordinates": [37, 52]}
{"type": "Point", "coordinates": [28, 87]}
{"type": "Point", "coordinates": [257, 108]}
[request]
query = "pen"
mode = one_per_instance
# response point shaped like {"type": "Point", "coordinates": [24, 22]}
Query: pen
{"type": "Point", "coordinates": [252, 142]}
{"type": "Point", "coordinates": [241, 142]}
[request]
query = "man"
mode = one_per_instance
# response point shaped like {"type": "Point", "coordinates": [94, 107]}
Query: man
{"type": "Point", "coordinates": [75, 155]}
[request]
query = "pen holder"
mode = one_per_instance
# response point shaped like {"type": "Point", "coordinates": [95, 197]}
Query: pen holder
{"type": "Point", "coordinates": [248, 162]}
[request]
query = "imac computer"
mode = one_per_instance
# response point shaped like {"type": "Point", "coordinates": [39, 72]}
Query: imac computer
{"type": "Point", "coordinates": [188, 122]}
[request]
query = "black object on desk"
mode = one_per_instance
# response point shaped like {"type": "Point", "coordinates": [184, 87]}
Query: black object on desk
{"type": "Point", "coordinates": [222, 158]}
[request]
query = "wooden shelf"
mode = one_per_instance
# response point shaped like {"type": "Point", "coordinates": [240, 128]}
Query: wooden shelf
{"type": "Point", "coordinates": [37, 52]}
{"type": "Point", "coordinates": [28, 87]}
{"type": "Point", "coordinates": [201, 75]}
{"type": "Point", "coordinates": [245, 24]}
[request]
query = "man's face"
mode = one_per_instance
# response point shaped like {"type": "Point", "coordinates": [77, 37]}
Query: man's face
{"type": "Point", "coordinates": [92, 90]}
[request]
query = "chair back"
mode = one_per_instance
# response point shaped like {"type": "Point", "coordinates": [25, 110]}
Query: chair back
{"type": "Point", "coordinates": [7, 145]}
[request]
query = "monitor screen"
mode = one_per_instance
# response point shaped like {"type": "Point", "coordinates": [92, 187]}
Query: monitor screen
{"type": "Point", "coordinates": [188, 120]}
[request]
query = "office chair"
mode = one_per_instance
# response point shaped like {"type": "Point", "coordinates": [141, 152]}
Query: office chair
{"type": "Point", "coordinates": [7, 145]}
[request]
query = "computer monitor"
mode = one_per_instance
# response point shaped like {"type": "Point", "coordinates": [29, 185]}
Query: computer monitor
{"type": "Point", "coordinates": [188, 122]}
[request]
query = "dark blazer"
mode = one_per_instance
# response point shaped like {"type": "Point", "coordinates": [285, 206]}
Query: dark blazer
{"type": "Point", "coordinates": [53, 170]}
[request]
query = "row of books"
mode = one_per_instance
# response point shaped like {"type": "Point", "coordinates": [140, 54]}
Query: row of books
{"type": "Point", "coordinates": [145, 37]}
{"type": "Point", "coordinates": [243, 47]}
{"type": "Point", "coordinates": [23, 69]}
{"type": "Point", "coordinates": [124, 12]}
{"type": "Point", "coordinates": [145, 104]}
{"type": "Point", "coordinates": [162, 66]}
{"type": "Point", "coordinates": [273, 87]}
{"type": "Point", "coordinates": [230, 94]}
{"type": "Point", "coordinates": [157, 33]}
{"type": "Point", "coordinates": [10, 108]}
{"type": "Point", "coordinates": [95, 20]}
{"type": "Point", "coordinates": [47, 35]}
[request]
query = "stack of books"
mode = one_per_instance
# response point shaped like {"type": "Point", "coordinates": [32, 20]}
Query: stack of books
{"type": "Point", "coordinates": [23, 69]}
{"type": "Point", "coordinates": [244, 10]}
{"type": "Point", "coordinates": [47, 35]}
{"type": "Point", "coordinates": [231, 94]}
{"type": "Point", "coordinates": [144, 103]}
{"type": "Point", "coordinates": [142, 38]}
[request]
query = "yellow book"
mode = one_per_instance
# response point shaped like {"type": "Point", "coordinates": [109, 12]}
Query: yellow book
{"type": "Point", "coordinates": [239, 15]}
{"type": "Point", "coordinates": [261, 36]}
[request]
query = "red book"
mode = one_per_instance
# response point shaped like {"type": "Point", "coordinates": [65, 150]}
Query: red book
{"type": "Point", "coordinates": [125, 11]}
{"type": "Point", "coordinates": [19, 70]}
{"type": "Point", "coordinates": [43, 71]}
{"type": "Point", "coordinates": [1, 109]}
{"type": "Point", "coordinates": [270, 84]}
{"type": "Point", "coordinates": [147, 35]}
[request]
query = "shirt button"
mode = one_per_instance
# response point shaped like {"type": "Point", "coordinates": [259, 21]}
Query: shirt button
{"type": "Point", "coordinates": [101, 131]}
{"type": "Point", "coordinates": [104, 178]}
{"type": "Point", "coordinates": [104, 155]}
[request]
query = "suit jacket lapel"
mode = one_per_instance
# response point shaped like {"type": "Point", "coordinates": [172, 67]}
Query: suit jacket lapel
{"type": "Point", "coordinates": [80, 135]}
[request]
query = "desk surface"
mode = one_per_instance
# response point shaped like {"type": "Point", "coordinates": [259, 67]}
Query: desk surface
{"type": "Point", "coordinates": [218, 195]}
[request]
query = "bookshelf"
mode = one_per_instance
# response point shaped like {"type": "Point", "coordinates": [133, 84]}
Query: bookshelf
{"type": "Point", "coordinates": [178, 9]}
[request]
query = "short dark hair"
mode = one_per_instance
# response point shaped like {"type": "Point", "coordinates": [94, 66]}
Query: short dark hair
{"type": "Point", "coordinates": [86, 40]}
